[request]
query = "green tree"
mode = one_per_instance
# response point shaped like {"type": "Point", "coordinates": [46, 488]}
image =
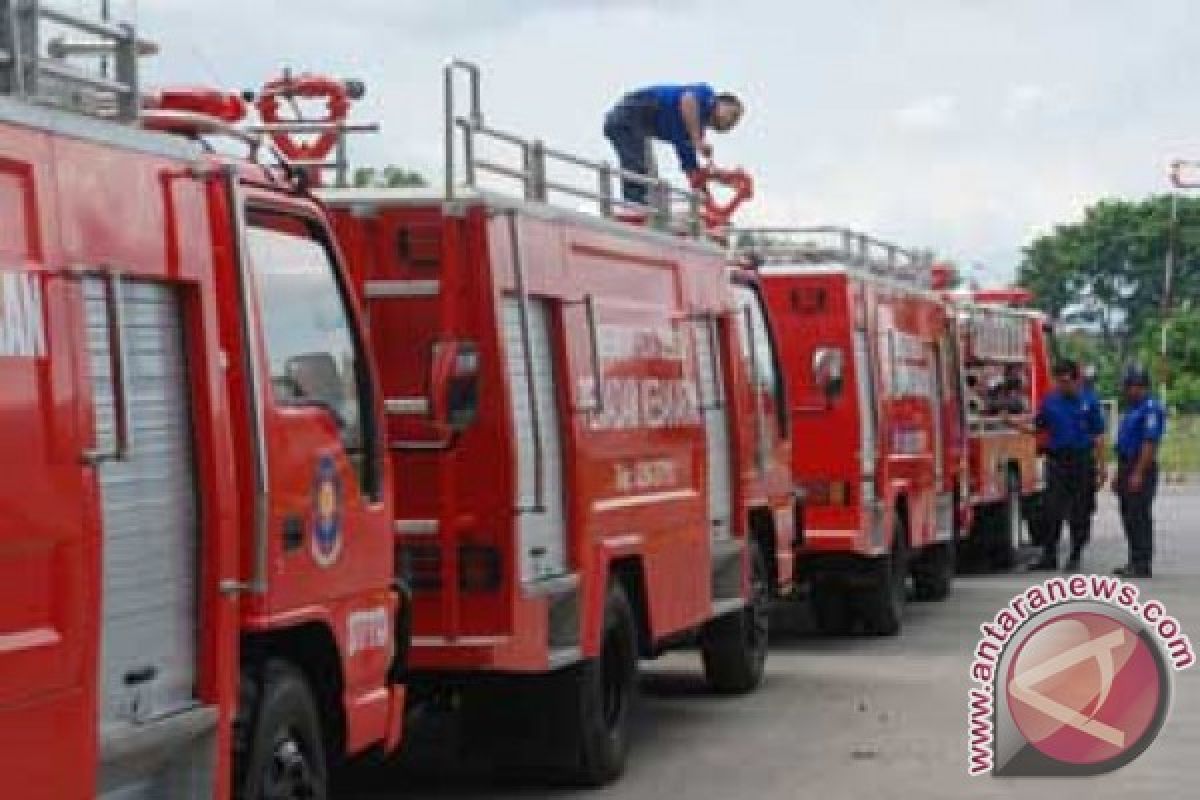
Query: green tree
{"type": "Point", "coordinates": [1105, 272]}
{"type": "Point", "coordinates": [1181, 370]}
{"type": "Point", "coordinates": [389, 177]}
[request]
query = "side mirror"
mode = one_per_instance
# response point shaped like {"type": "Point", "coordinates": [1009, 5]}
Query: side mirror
{"type": "Point", "coordinates": [454, 385]}
{"type": "Point", "coordinates": [828, 371]}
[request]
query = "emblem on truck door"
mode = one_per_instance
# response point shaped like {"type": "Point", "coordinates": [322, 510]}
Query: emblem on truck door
{"type": "Point", "coordinates": [327, 513]}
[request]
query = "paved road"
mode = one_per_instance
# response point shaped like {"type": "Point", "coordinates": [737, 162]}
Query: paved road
{"type": "Point", "coordinates": [851, 718]}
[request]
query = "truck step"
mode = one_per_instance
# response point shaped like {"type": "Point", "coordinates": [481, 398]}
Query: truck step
{"type": "Point", "coordinates": [722, 607]}
{"type": "Point", "coordinates": [560, 657]}
{"type": "Point", "coordinates": [406, 406]}
{"type": "Point", "coordinates": [416, 527]}
{"type": "Point", "coordinates": [393, 289]}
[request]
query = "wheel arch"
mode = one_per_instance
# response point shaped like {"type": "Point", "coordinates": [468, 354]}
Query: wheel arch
{"type": "Point", "coordinates": [762, 532]}
{"type": "Point", "coordinates": [310, 648]}
{"type": "Point", "coordinates": [629, 573]}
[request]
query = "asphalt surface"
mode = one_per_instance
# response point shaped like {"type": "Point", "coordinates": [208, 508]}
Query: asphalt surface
{"type": "Point", "coordinates": [853, 717]}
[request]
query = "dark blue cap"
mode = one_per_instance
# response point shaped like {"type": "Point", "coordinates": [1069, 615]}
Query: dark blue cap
{"type": "Point", "coordinates": [1135, 375]}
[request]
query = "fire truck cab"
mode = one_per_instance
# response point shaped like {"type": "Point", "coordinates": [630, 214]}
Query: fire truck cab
{"type": "Point", "coordinates": [613, 480]}
{"type": "Point", "coordinates": [198, 593]}
{"type": "Point", "coordinates": [1005, 351]}
{"type": "Point", "coordinates": [868, 354]}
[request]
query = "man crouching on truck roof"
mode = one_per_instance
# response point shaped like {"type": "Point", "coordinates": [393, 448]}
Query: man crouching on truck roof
{"type": "Point", "coordinates": [677, 114]}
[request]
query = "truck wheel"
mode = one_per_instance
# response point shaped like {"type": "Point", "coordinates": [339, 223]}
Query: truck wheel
{"type": "Point", "coordinates": [933, 574]}
{"type": "Point", "coordinates": [1006, 527]}
{"type": "Point", "coordinates": [734, 646]}
{"type": "Point", "coordinates": [279, 752]}
{"type": "Point", "coordinates": [831, 608]}
{"type": "Point", "coordinates": [883, 600]}
{"type": "Point", "coordinates": [604, 689]}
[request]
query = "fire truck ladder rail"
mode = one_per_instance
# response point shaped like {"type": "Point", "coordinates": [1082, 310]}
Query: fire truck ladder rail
{"type": "Point", "coordinates": [39, 69]}
{"type": "Point", "coordinates": [672, 208]}
{"type": "Point", "coordinates": [589, 311]}
{"type": "Point", "coordinates": [826, 244]}
{"type": "Point", "coordinates": [118, 353]}
{"type": "Point", "coordinates": [535, 416]}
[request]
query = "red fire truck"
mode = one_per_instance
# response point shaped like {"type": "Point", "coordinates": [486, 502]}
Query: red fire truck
{"type": "Point", "coordinates": [196, 517]}
{"type": "Point", "coordinates": [616, 483]}
{"type": "Point", "coordinates": [868, 354]}
{"type": "Point", "coordinates": [1005, 355]}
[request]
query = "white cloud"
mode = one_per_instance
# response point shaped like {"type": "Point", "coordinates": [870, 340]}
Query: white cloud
{"type": "Point", "coordinates": [1025, 100]}
{"type": "Point", "coordinates": [961, 126]}
{"type": "Point", "coordinates": [934, 113]}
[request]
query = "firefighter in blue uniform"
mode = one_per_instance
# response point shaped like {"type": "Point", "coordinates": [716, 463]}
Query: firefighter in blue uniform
{"type": "Point", "coordinates": [1075, 465]}
{"type": "Point", "coordinates": [1138, 437]}
{"type": "Point", "coordinates": [677, 114]}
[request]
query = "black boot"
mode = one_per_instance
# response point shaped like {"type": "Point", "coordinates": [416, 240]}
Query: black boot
{"type": "Point", "coordinates": [1072, 564]}
{"type": "Point", "coordinates": [1047, 563]}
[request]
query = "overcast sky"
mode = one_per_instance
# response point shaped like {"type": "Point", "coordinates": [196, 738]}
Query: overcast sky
{"type": "Point", "coordinates": [966, 126]}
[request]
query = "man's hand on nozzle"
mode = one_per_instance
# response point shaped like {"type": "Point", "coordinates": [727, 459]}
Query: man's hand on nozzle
{"type": "Point", "coordinates": [704, 149]}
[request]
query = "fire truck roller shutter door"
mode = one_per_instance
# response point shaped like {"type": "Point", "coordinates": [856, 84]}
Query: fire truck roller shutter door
{"type": "Point", "coordinates": [541, 521]}
{"type": "Point", "coordinates": [716, 427]}
{"type": "Point", "coordinates": [150, 534]}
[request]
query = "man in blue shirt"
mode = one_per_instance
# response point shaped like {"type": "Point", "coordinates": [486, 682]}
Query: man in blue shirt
{"type": "Point", "coordinates": [1140, 431]}
{"type": "Point", "coordinates": [1074, 422]}
{"type": "Point", "coordinates": [677, 114]}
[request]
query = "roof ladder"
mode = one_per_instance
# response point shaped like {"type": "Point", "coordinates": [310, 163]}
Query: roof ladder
{"type": "Point", "coordinates": [57, 58]}
{"type": "Point", "coordinates": [815, 246]}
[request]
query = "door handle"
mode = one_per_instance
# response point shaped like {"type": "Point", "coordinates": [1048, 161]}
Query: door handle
{"type": "Point", "coordinates": [114, 315]}
{"type": "Point", "coordinates": [140, 675]}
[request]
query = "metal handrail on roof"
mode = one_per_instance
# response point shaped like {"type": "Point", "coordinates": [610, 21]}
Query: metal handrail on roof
{"type": "Point", "coordinates": [670, 207]}
{"type": "Point", "coordinates": [51, 70]}
{"type": "Point", "coordinates": [828, 244]}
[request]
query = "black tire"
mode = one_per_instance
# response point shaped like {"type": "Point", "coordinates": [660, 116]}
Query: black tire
{"type": "Point", "coordinates": [882, 605]}
{"type": "Point", "coordinates": [279, 753]}
{"type": "Point", "coordinates": [970, 551]}
{"type": "Point", "coordinates": [1004, 527]}
{"type": "Point", "coordinates": [831, 608]}
{"type": "Point", "coordinates": [603, 691]}
{"type": "Point", "coordinates": [734, 646]}
{"type": "Point", "coordinates": [933, 575]}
